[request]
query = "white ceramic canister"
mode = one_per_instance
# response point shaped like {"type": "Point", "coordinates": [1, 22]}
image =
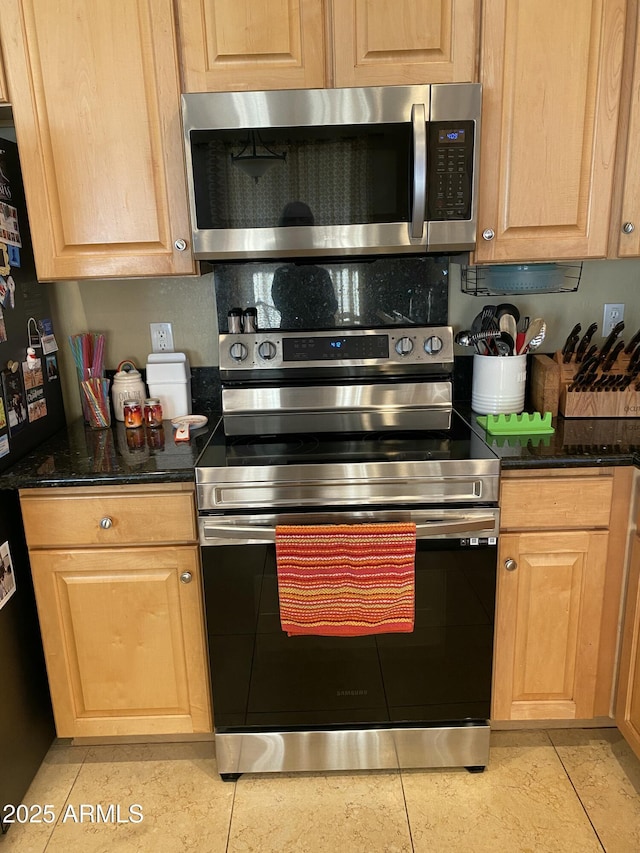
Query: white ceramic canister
{"type": "Point", "coordinates": [498, 384]}
{"type": "Point", "coordinates": [127, 385]}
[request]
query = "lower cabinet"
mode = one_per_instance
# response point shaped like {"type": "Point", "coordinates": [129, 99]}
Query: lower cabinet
{"type": "Point", "coordinates": [122, 621]}
{"type": "Point", "coordinates": [628, 695]}
{"type": "Point", "coordinates": [560, 572]}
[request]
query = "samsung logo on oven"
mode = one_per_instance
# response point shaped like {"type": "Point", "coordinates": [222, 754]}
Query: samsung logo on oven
{"type": "Point", "coordinates": [351, 692]}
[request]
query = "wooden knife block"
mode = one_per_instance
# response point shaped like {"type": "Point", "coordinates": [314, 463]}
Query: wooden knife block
{"type": "Point", "coordinates": [550, 380]}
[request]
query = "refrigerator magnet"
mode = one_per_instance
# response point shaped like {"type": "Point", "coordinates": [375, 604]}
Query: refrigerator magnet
{"type": "Point", "coordinates": [7, 577]}
{"type": "Point", "coordinates": [15, 401]}
{"type": "Point", "coordinates": [4, 260]}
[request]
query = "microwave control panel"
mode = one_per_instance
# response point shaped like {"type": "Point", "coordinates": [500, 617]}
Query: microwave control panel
{"type": "Point", "coordinates": [450, 169]}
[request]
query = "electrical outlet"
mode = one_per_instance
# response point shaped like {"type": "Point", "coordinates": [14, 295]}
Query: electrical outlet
{"type": "Point", "coordinates": [161, 337]}
{"type": "Point", "coordinates": [613, 314]}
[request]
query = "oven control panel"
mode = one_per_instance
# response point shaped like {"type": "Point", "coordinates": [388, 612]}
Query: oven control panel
{"type": "Point", "coordinates": [348, 348]}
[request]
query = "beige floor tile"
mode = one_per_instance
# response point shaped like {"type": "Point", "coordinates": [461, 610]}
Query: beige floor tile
{"type": "Point", "coordinates": [303, 813]}
{"type": "Point", "coordinates": [522, 803]}
{"type": "Point", "coordinates": [51, 786]}
{"type": "Point", "coordinates": [606, 776]}
{"type": "Point", "coordinates": [184, 804]}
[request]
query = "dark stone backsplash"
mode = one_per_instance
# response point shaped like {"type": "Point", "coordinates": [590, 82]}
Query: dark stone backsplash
{"type": "Point", "coordinates": [388, 291]}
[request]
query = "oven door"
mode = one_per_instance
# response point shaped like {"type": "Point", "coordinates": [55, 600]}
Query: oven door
{"type": "Point", "coordinates": [439, 675]}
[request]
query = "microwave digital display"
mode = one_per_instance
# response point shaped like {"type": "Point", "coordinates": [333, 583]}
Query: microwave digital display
{"type": "Point", "coordinates": [451, 135]}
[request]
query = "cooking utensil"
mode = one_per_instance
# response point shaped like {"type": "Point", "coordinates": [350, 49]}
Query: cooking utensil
{"type": "Point", "coordinates": [480, 321]}
{"type": "Point", "coordinates": [583, 346]}
{"type": "Point", "coordinates": [535, 331]}
{"type": "Point", "coordinates": [507, 323]}
{"type": "Point", "coordinates": [183, 424]}
{"type": "Point", "coordinates": [508, 308]}
{"type": "Point", "coordinates": [504, 343]}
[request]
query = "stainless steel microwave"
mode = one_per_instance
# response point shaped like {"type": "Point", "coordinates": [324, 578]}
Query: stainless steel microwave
{"type": "Point", "coordinates": [330, 172]}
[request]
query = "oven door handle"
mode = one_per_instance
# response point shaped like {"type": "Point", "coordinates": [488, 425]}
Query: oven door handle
{"type": "Point", "coordinates": [423, 531]}
{"type": "Point", "coordinates": [419, 124]}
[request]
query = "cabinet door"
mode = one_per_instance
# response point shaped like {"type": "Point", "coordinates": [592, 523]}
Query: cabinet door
{"type": "Point", "coordinates": [124, 640]}
{"type": "Point", "coordinates": [377, 43]}
{"type": "Point", "coordinates": [96, 105]}
{"type": "Point", "coordinates": [4, 94]}
{"type": "Point", "coordinates": [628, 697]}
{"type": "Point", "coordinates": [551, 75]}
{"type": "Point", "coordinates": [625, 226]}
{"type": "Point", "coordinates": [549, 612]}
{"type": "Point", "coordinates": [233, 45]}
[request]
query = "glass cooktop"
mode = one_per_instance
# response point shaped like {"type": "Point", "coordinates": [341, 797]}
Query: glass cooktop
{"type": "Point", "coordinates": [460, 442]}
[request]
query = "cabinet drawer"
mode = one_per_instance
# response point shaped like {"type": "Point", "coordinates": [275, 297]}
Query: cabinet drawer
{"type": "Point", "coordinates": [138, 518]}
{"type": "Point", "coordinates": [558, 503]}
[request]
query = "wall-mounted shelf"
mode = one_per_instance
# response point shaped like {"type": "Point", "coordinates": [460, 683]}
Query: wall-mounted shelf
{"type": "Point", "coordinates": [520, 279]}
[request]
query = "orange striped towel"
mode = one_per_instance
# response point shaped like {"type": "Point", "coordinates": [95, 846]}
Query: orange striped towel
{"type": "Point", "coordinates": [346, 580]}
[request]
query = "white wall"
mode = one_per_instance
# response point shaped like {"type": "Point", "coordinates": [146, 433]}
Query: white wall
{"type": "Point", "coordinates": [123, 309]}
{"type": "Point", "coordinates": [602, 281]}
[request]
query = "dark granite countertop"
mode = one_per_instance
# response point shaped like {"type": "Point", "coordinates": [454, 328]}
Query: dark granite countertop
{"type": "Point", "coordinates": [80, 456]}
{"type": "Point", "coordinates": [576, 442]}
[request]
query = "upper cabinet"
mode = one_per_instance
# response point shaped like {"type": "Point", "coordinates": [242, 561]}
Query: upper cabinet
{"type": "Point", "coordinates": [551, 75]}
{"type": "Point", "coordinates": [377, 43]}
{"type": "Point", "coordinates": [96, 103]}
{"type": "Point", "coordinates": [625, 221]}
{"type": "Point", "coordinates": [4, 95]}
{"type": "Point", "coordinates": [229, 45]}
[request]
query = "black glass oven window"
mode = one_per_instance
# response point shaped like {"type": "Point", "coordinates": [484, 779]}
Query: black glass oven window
{"type": "Point", "coordinates": [319, 176]}
{"type": "Point", "coordinates": [262, 678]}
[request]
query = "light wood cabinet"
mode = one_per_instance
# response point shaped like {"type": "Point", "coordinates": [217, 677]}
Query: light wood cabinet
{"type": "Point", "coordinates": [560, 568]}
{"type": "Point", "coordinates": [625, 219]}
{"type": "Point", "coordinates": [628, 693]}
{"type": "Point", "coordinates": [96, 103]}
{"type": "Point", "coordinates": [377, 43]}
{"type": "Point", "coordinates": [117, 579]}
{"type": "Point", "coordinates": [551, 75]}
{"type": "Point", "coordinates": [4, 94]}
{"type": "Point", "coordinates": [231, 45]}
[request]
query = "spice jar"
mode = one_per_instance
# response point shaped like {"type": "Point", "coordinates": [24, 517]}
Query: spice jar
{"type": "Point", "coordinates": [132, 411]}
{"type": "Point", "coordinates": [153, 412]}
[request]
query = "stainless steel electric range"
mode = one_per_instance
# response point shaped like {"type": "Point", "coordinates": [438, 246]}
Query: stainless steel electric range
{"type": "Point", "coordinates": [347, 427]}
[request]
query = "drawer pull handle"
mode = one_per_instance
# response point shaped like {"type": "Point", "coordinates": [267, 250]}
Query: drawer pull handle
{"type": "Point", "coordinates": [186, 577]}
{"type": "Point", "coordinates": [106, 523]}
{"type": "Point", "coordinates": [510, 565]}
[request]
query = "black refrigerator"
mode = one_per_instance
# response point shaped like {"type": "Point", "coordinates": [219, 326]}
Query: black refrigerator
{"type": "Point", "coordinates": [31, 410]}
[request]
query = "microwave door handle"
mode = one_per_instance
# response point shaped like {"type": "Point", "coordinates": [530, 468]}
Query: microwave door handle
{"type": "Point", "coordinates": [423, 531]}
{"type": "Point", "coordinates": [419, 123]}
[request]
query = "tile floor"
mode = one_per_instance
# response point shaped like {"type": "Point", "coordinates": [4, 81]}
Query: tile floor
{"type": "Point", "coordinates": [558, 790]}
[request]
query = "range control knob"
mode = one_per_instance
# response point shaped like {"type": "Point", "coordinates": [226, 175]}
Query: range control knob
{"type": "Point", "coordinates": [266, 350]}
{"type": "Point", "coordinates": [433, 345]}
{"type": "Point", "coordinates": [238, 351]}
{"type": "Point", "coordinates": [404, 346]}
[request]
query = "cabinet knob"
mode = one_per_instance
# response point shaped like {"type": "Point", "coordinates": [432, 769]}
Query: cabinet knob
{"type": "Point", "coordinates": [186, 577]}
{"type": "Point", "coordinates": [180, 244]}
{"type": "Point", "coordinates": [106, 523]}
{"type": "Point", "coordinates": [510, 565]}
{"type": "Point", "coordinates": [628, 227]}
{"type": "Point", "coordinates": [488, 234]}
